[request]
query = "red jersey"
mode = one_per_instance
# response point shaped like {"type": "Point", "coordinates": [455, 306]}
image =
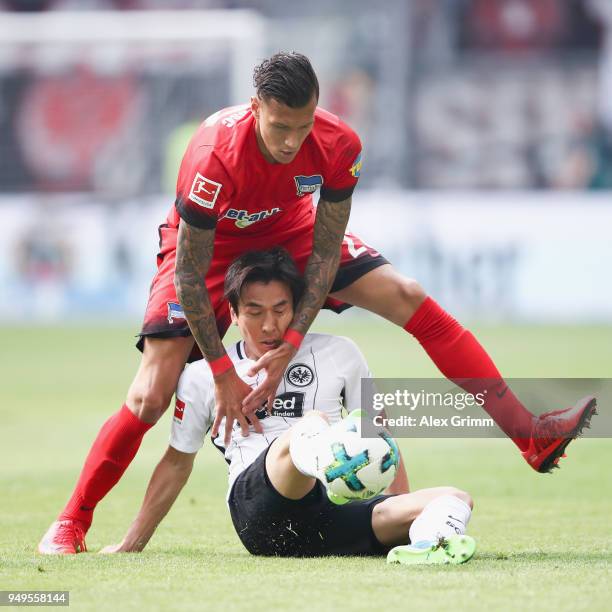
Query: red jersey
{"type": "Point", "coordinates": [225, 181]}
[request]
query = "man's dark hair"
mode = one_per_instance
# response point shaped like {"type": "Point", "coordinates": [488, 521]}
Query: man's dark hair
{"type": "Point", "coordinates": [288, 78]}
{"type": "Point", "coordinates": [263, 266]}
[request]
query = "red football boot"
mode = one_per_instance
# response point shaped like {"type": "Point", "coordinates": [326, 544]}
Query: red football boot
{"type": "Point", "coordinates": [63, 538]}
{"type": "Point", "coordinates": [553, 431]}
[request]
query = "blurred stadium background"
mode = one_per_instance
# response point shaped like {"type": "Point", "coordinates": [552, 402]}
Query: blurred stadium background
{"type": "Point", "coordinates": [486, 127]}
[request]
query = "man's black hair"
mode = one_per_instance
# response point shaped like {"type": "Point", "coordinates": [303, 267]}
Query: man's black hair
{"type": "Point", "coordinates": [288, 77]}
{"type": "Point", "coordinates": [263, 266]}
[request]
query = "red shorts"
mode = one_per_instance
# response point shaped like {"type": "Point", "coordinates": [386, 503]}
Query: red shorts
{"type": "Point", "coordinates": [164, 316]}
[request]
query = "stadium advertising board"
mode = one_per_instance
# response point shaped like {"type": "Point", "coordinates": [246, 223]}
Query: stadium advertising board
{"type": "Point", "coordinates": [486, 257]}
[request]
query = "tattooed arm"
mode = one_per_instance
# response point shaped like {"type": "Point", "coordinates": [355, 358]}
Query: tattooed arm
{"type": "Point", "coordinates": [321, 268]}
{"type": "Point", "coordinates": [194, 253]}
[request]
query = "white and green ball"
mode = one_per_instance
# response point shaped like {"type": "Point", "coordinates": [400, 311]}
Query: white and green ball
{"type": "Point", "coordinates": [353, 467]}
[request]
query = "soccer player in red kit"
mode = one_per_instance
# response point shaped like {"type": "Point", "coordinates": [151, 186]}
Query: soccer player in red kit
{"type": "Point", "coordinates": [245, 183]}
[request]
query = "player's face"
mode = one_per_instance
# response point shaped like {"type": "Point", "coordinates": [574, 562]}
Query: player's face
{"type": "Point", "coordinates": [281, 130]}
{"type": "Point", "coordinates": [264, 314]}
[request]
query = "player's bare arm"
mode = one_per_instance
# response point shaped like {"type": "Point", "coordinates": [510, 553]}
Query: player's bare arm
{"type": "Point", "coordinates": [194, 253]}
{"type": "Point", "coordinates": [321, 268]}
{"type": "Point", "coordinates": [167, 481]}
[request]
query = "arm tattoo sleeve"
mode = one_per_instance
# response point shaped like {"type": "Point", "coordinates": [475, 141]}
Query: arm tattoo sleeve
{"type": "Point", "coordinates": [194, 251]}
{"type": "Point", "coordinates": [330, 225]}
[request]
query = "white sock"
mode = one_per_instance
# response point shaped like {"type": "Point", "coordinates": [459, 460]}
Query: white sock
{"type": "Point", "coordinates": [304, 435]}
{"type": "Point", "coordinates": [442, 517]}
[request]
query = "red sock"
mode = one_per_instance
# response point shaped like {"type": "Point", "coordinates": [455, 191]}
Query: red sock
{"type": "Point", "coordinates": [461, 358]}
{"type": "Point", "coordinates": [111, 453]}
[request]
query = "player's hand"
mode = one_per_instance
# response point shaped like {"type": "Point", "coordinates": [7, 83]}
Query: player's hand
{"type": "Point", "coordinates": [275, 363]}
{"type": "Point", "coordinates": [115, 548]}
{"type": "Point", "coordinates": [230, 390]}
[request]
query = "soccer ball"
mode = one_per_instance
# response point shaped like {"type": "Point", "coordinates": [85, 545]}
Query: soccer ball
{"type": "Point", "coordinates": [352, 467]}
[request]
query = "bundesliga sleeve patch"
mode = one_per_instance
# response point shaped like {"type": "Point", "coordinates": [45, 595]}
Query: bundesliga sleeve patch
{"type": "Point", "coordinates": [204, 192]}
{"type": "Point", "coordinates": [355, 169]}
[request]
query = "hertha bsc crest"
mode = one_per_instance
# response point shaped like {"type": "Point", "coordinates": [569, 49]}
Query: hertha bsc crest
{"type": "Point", "coordinates": [307, 184]}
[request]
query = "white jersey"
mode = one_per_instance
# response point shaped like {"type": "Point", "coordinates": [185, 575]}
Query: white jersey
{"type": "Point", "coordinates": [325, 374]}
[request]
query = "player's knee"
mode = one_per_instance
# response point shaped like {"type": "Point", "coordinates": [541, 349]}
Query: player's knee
{"type": "Point", "coordinates": [466, 497]}
{"type": "Point", "coordinates": [381, 514]}
{"type": "Point", "coordinates": [148, 404]}
{"type": "Point", "coordinates": [394, 514]}
{"type": "Point", "coordinates": [462, 495]}
{"type": "Point", "coordinates": [411, 293]}
{"type": "Point", "coordinates": [402, 298]}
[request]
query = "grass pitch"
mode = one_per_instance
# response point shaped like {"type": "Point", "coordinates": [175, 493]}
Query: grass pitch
{"type": "Point", "coordinates": [544, 541]}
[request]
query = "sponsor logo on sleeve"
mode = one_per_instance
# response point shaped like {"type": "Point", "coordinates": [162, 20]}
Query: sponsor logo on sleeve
{"type": "Point", "coordinates": [299, 375]}
{"type": "Point", "coordinates": [204, 192]}
{"type": "Point", "coordinates": [307, 184]}
{"type": "Point", "coordinates": [179, 411]}
{"type": "Point", "coordinates": [355, 169]}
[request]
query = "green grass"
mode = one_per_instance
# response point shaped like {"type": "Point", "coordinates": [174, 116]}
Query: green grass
{"type": "Point", "coordinates": [544, 541]}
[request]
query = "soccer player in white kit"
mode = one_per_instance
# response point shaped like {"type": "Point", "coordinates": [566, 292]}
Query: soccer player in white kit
{"type": "Point", "coordinates": [277, 505]}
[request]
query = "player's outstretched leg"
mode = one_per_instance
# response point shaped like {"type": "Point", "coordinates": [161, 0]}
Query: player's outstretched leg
{"type": "Point", "coordinates": [118, 441]}
{"type": "Point", "coordinates": [287, 479]}
{"type": "Point", "coordinates": [437, 534]}
{"type": "Point", "coordinates": [461, 358]}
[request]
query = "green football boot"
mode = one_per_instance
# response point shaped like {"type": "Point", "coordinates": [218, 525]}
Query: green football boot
{"type": "Point", "coordinates": [454, 549]}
